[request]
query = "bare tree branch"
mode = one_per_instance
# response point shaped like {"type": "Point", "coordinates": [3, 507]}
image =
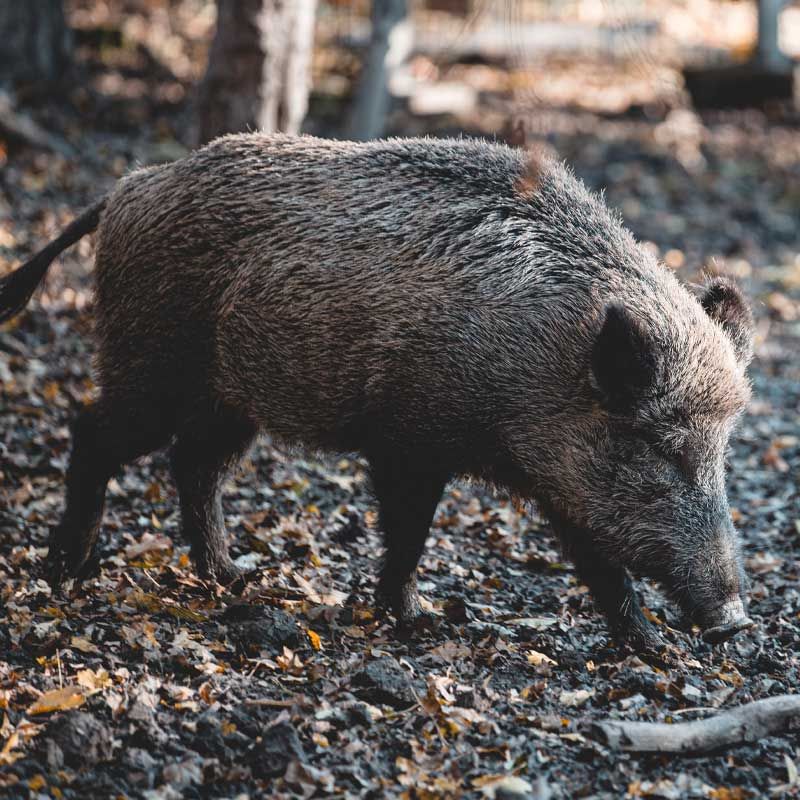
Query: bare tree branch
{"type": "Point", "coordinates": [748, 723]}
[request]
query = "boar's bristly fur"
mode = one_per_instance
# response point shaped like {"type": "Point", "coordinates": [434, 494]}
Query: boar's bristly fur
{"type": "Point", "coordinates": [444, 308]}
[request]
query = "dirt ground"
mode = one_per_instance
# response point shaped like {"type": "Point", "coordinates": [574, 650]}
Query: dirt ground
{"type": "Point", "coordinates": [148, 684]}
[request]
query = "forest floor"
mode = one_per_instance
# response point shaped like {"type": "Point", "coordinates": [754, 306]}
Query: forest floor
{"type": "Point", "coordinates": [148, 684]}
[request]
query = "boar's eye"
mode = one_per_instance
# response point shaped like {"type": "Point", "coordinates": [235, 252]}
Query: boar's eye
{"type": "Point", "coordinates": [683, 459]}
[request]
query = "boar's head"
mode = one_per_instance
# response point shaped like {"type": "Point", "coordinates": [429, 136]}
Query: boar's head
{"type": "Point", "coordinates": [667, 385]}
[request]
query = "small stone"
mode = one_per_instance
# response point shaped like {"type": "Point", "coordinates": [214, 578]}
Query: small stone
{"type": "Point", "coordinates": [575, 699]}
{"type": "Point", "coordinates": [550, 722]}
{"type": "Point", "coordinates": [183, 773]}
{"type": "Point", "coordinates": [209, 739]}
{"type": "Point", "coordinates": [141, 767]}
{"type": "Point", "coordinates": [384, 681]}
{"type": "Point", "coordinates": [363, 714]}
{"type": "Point", "coordinates": [147, 732]}
{"type": "Point", "coordinates": [54, 756]}
{"type": "Point", "coordinates": [279, 746]}
{"type": "Point", "coordinates": [82, 739]}
{"type": "Point", "coordinates": [257, 628]}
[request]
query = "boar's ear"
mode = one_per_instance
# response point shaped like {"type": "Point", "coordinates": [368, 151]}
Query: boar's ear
{"type": "Point", "coordinates": [724, 303]}
{"type": "Point", "coordinates": [623, 359]}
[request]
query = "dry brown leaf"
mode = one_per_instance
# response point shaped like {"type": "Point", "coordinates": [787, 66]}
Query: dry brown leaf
{"type": "Point", "coordinates": [536, 658]}
{"type": "Point", "coordinates": [451, 651]}
{"type": "Point", "coordinates": [149, 543]}
{"type": "Point", "coordinates": [83, 644]}
{"type": "Point", "coordinates": [762, 563]}
{"type": "Point", "coordinates": [93, 681]}
{"type": "Point", "coordinates": [58, 700]}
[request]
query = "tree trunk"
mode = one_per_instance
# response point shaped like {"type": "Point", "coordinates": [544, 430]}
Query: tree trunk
{"type": "Point", "coordinates": [770, 55]}
{"type": "Point", "coordinates": [259, 67]}
{"type": "Point", "coordinates": [36, 44]}
{"type": "Point", "coordinates": [390, 45]}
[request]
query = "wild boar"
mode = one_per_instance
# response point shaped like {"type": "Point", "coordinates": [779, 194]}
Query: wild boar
{"type": "Point", "coordinates": [443, 308]}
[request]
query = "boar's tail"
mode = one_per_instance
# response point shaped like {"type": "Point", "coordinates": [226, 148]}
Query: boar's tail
{"type": "Point", "coordinates": [17, 287]}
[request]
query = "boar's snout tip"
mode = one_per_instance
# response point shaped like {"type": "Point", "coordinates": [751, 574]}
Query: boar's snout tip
{"type": "Point", "coordinates": [726, 621]}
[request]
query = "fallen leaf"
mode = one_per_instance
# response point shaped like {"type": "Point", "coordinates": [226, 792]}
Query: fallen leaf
{"type": "Point", "coordinates": [772, 458]}
{"type": "Point", "coordinates": [536, 658]}
{"type": "Point", "coordinates": [732, 793]}
{"type": "Point", "coordinates": [313, 637]}
{"type": "Point", "coordinates": [332, 597]}
{"type": "Point", "coordinates": [94, 681]}
{"type": "Point", "coordinates": [451, 651]}
{"type": "Point", "coordinates": [153, 493]}
{"type": "Point", "coordinates": [762, 563]}
{"type": "Point", "coordinates": [58, 700]}
{"type": "Point", "coordinates": [149, 543]}
{"type": "Point", "coordinates": [7, 754]}
{"type": "Point", "coordinates": [82, 644]}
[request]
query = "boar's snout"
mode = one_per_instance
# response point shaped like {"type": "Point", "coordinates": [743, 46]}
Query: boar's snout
{"type": "Point", "coordinates": [726, 620]}
{"type": "Point", "coordinates": [716, 588]}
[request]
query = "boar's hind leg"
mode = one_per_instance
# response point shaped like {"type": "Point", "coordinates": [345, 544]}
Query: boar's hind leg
{"type": "Point", "coordinates": [614, 593]}
{"type": "Point", "coordinates": [407, 498]}
{"type": "Point", "coordinates": [102, 441]}
{"type": "Point", "coordinates": [203, 455]}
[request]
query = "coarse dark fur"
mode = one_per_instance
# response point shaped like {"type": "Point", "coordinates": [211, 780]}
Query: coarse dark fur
{"type": "Point", "coordinates": [444, 308]}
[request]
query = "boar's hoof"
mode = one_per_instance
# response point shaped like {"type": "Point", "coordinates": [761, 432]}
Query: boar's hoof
{"type": "Point", "coordinates": [728, 620]}
{"type": "Point", "coordinates": [404, 603]}
{"type": "Point", "coordinates": [224, 571]}
{"type": "Point", "coordinates": [422, 622]}
{"type": "Point", "coordinates": [642, 640]}
{"type": "Point", "coordinates": [639, 634]}
{"type": "Point", "coordinates": [61, 565]}
{"type": "Point", "coordinates": [631, 628]}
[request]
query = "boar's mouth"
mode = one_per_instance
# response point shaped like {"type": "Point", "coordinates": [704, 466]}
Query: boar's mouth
{"type": "Point", "coordinates": [725, 621]}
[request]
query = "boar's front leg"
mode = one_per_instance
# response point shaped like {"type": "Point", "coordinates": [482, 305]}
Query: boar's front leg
{"type": "Point", "coordinates": [204, 453]}
{"type": "Point", "coordinates": [613, 592]}
{"type": "Point", "coordinates": [407, 497]}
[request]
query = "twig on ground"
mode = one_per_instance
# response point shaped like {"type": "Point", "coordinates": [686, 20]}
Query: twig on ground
{"type": "Point", "coordinates": [299, 699]}
{"type": "Point", "coordinates": [747, 723]}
